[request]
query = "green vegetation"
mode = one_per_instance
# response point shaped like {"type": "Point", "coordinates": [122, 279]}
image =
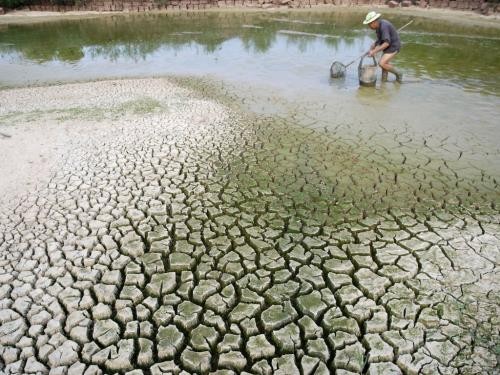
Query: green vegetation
{"type": "Point", "coordinates": [137, 106]}
{"type": "Point", "coordinates": [141, 106]}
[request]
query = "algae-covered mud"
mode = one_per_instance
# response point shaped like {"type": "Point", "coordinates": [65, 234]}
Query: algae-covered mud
{"type": "Point", "coordinates": [277, 222]}
{"type": "Point", "coordinates": [178, 234]}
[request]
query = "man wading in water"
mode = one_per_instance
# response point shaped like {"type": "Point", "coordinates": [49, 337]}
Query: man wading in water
{"type": "Point", "coordinates": [387, 41]}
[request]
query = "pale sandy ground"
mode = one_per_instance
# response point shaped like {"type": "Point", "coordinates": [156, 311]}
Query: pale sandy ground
{"type": "Point", "coordinates": [37, 136]}
{"type": "Point", "coordinates": [28, 154]}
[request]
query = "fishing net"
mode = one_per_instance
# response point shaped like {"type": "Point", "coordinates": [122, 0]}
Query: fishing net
{"type": "Point", "coordinates": [337, 70]}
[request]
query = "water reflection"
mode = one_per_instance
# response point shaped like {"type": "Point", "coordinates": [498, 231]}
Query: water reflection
{"type": "Point", "coordinates": [268, 39]}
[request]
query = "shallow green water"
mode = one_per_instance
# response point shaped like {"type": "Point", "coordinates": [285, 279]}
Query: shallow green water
{"type": "Point", "coordinates": [248, 46]}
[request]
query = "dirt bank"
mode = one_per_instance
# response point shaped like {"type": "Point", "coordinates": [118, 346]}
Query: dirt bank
{"type": "Point", "coordinates": [453, 16]}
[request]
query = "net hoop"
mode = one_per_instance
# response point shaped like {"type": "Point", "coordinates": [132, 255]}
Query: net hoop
{"type": "Point", "coordinates": [337, 70]}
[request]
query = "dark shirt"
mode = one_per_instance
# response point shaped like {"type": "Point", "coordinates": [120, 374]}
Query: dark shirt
{"type": "Point", "coordinates": [386, 32]}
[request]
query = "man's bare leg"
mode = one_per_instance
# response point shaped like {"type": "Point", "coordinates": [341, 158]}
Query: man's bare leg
{"type": "Point", "coordinates": [387, 67]}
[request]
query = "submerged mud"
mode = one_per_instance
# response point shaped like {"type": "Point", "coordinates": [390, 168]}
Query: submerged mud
{"type": "Point", "coordinates": [181, 235]}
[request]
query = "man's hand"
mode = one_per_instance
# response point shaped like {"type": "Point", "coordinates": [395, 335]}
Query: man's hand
{"type": "Point", "coordinates": [375, 49]}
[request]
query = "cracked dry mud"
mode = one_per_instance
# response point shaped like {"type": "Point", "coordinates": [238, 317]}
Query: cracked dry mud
{"type": "Point", "coordinates": [182, 236]}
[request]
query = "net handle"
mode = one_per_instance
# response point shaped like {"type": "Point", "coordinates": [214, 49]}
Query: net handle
{"type": "Point", "coordinates": [359, 57]}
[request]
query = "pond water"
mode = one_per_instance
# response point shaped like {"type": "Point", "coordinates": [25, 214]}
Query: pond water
{"type": "Point", "coordinates": [452, 72]}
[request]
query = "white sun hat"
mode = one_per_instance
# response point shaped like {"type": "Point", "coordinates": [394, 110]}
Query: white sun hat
{"type": "Point", "coordinates": [370, 17]}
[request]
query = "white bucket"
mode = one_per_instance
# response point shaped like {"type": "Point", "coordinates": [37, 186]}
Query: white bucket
{"type": "Point", "coordinates": [367, 74]}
